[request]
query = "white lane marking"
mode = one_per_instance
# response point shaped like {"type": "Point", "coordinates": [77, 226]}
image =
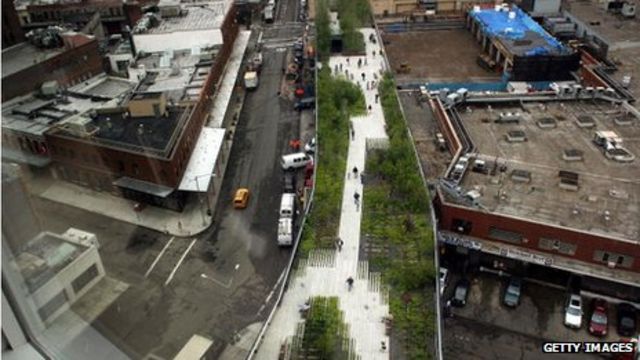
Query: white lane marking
{"type": "Point", "coordinates": [226, 286]}
{"type": "Point", "coordinates": [159, 256]}
{"type": "Point", "coordinates": [180, 262]}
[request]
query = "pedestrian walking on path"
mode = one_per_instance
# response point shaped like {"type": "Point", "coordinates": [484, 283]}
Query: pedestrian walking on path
{"type": "Point", "coordinates": [383, 346]}
{"type": "Point", "coordinates": [350, 282]}
{"type": "Point", "coordinates": [356, 199]}
{"type": "Point", "coordinates": [353, 134]}
{"type": "Point", "coordinates": [363, 76]}
{"type": "Point", "coordinates": [377, 98]}
{"type": "Point", "coordinates": [339, 244]}
{"type": "Point", "coordinates": [355, 172]}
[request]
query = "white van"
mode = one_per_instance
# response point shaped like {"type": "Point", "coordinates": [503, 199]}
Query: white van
{"type": "Point", "coordinates": [285, 233]}
{"type": "Point", "coordinates": [294, 161]}
{"type": "Point", "coordinates": [287, 205]}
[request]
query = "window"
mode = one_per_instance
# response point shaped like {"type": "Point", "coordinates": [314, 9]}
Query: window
{"type": "Point", "coordinates": [461, 226]}
{"type": "Point", "coordinates": [615, 259]}
{"type": "Point", "coordinates": [83, 279]}
{"type": "Point", "coordinates": [505, 235]}
{"type": "Point", "coordinates": [556, 245]}
{"type": "Point", "coordinates": [52, 305]}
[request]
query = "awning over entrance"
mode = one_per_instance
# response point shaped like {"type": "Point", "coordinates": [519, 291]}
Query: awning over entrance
{"type": "Point", "coordinates": [199, 171]}
{"type": "Point", "coordinates": [143, 186]}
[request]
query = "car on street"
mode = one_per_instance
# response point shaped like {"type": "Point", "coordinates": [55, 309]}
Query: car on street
{"type": "Point", "coordinates": [289, 182]}
{"type": "Point", "coordinates": [444, 274]}
{"type": "Point", "coordinates": [241, 198]}
{"type": "Point", "coordinates": [461, 292]}
{"type": "Point", "coordinates": [573, 312]}
{"type": "Point", "coordinates": [599, 323]}
{"type": "Point", "coordinates": [513, 291]}
{"type": "Point", "coordinates": [627, 319]}
{"type": "Point", "coordinates": [310, 147]}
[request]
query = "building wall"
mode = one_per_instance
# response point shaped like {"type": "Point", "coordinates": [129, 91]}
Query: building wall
{"type": "Point", "coordinates": [586, 245]}
{"type": "Point", "coordinates": [19, 221]}
{"type": "Point", "coordinates": [67, 68]}
{"type": "Point", "coordinates": [11, 30]}
{"type": "Point", "coordinates": [62, 282]}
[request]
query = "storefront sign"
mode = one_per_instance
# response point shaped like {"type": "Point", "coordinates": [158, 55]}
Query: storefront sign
{"type": "Point", "coordinates": [458, 240]}
{"type": "Point", "coordinates": [526, 256]}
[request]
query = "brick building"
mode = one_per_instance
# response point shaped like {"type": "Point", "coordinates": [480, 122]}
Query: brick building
{"type": "Point", "coordinates": [25, 66]}
{"type": "Point", "coordinates": [140, 150]}
{"type": "Point", "coordinates": [542, 180]}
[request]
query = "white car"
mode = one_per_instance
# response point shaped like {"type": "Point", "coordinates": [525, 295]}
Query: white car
{"type": "Point", "coordinates": [444, 272]}
{"type": "Point", "coordinates": [573, 312]}
{"type": "Point", "coordinates": [310, 147]}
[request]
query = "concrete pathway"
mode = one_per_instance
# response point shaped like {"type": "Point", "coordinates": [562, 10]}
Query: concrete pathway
{"type": "Point", "coordinates": [326, 271]}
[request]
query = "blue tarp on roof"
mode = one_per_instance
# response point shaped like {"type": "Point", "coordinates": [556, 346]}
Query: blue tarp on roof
{"type": "Point", "coordinates": [496, 23]}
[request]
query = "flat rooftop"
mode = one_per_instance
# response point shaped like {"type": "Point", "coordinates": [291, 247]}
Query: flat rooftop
{"type": "Point", "coordinates": [151, 135]}
{"type": "Point", "coordinates": [45, 256]}
{"type": "Point", "coordinates": [605, 187]}
{"type": "Point", "coordinates": [33, 115]}
{"type": "Point", "coordinates": [620, 32]}
{"type": "Point", "coordinates": [518, 32]}
{"type": "Point", "coordinates": [24, 55]}
{"type": "Point", "coordinates": [103, 86]}
{"type": "Point", "coordinates": [209, 15]}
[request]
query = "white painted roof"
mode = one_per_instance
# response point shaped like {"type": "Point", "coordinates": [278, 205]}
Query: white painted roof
{"type": "Point", "coordinates": [199, 171]}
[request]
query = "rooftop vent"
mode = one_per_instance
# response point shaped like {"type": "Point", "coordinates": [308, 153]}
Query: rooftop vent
{"type": "Point", "coordinates": [585, 121]}
{"type": "Point", "coordinates": [521, 176]}
{"type": "Point", "coordinates": [516, 136]}
{"type": "Point", "coordinates": [547, 123]}
{"type": "Point", "coordinates": [623, 121]}
{"type": "Point", "coordinates": [568, 180]}
{"type": "Point", "coordinates": [572, 155]}
{"type": "Point", "coordinates": [509, 118]}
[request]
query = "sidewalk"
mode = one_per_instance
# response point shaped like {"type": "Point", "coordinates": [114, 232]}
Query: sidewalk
{"type": "Point", "coordinates": [326, 270]}
{"type": "Point", "coordinates": [193, 219]}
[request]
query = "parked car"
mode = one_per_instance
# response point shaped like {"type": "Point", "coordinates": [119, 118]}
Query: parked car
{"type": "Point", "coordinates": [310, 147]}
{"type": "Point", "coordinates": [460, 294]}
{"type": "Point", "coordinates": [512, 294]}
{"type": "Point", "coordinates": [573, 312]}
{"type": "Point", "coordinates": [599, 323]}
{"type": "Point", "coordinates": [444, 274]}
{"type": "Point", "coordinates": [627, 319]}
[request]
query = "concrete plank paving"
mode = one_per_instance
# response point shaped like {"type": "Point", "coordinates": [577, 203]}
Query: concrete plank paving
{"type": "Point", "coordinates": [325, 274]}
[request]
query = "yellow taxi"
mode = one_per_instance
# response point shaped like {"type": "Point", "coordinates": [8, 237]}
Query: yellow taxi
{"type": "Point", "coordinates": [241, 199]}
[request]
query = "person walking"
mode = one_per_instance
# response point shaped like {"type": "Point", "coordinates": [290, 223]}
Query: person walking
{"type": "Point", "coordinates": [356, 199]}
{"type": "Point", "coordinates": [339, 244]}
{"type": "Point", "coordinates": [355, 172]}
{"type": "Point", "coordinates": [353, 134]}
{"type": "Point", "coordinates": [350, 282]}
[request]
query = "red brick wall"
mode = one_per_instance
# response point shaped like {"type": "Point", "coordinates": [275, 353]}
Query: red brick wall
{"type": "Point", "coordinates": [72, 65]}
{"type": "Point", "coordinates": [586, 243]}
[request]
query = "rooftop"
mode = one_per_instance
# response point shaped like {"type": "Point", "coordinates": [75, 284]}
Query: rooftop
{"type": "Point", "coordinates": [151, 135]}
{"type": "Point", "coordinates": [620, 32]}
{"type": "Point", "coordinates": [45, 256]}
{"type": "Point", "coordinates": [104, 86]}
{"type": "Point", "coordinates": [517, 32]}
{"type": "Point", "coordinates": [203, 16]}
{"type": "Point", "coordinates": [24, 55]}
{"type": "Point", "coordinates": [34, 115]}
{"type": "Point", "coordinates": [534, 177]}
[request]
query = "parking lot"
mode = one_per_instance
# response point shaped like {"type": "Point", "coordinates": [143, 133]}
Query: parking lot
{"type": "Point", "coordinates": [540, 314]}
